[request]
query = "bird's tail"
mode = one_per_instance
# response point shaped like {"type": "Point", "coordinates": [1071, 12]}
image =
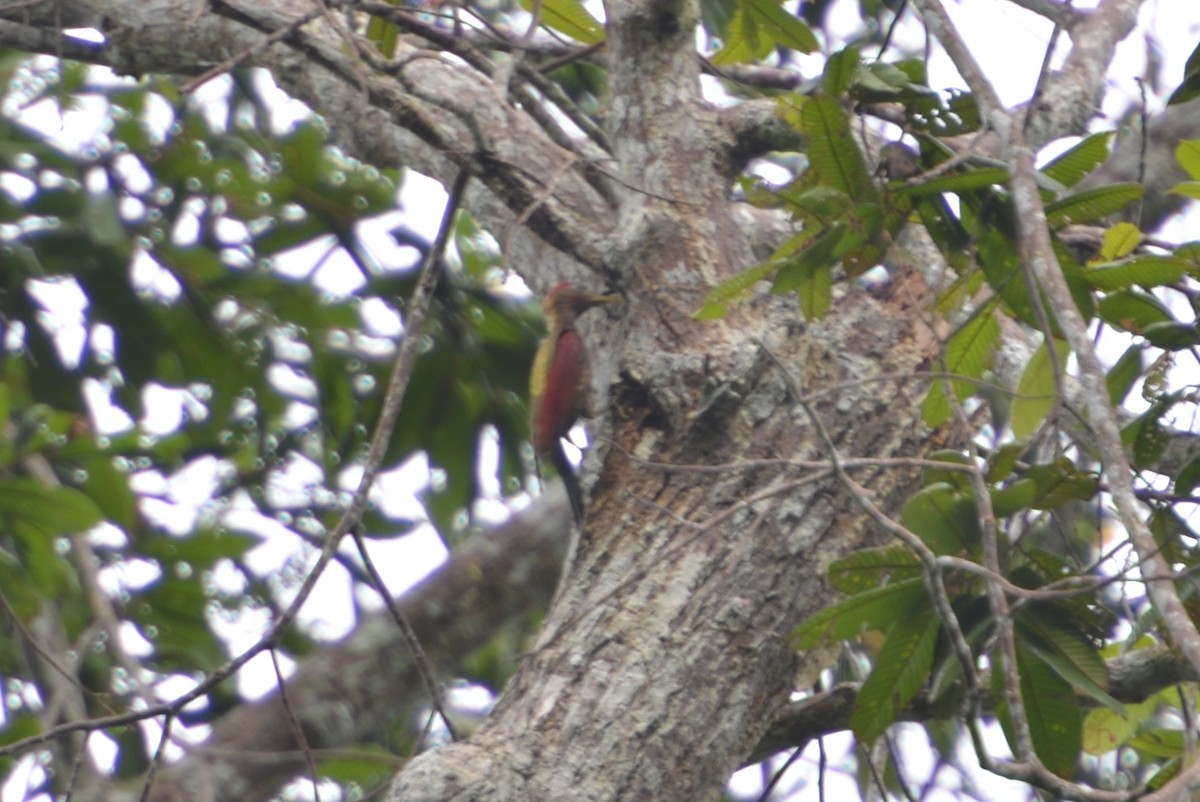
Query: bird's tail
{"type": "Point", "coordinates": [558, 458]}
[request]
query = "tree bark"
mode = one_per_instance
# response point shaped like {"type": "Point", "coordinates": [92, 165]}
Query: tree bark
{"type": "Point", "coordinates": [666, 654]}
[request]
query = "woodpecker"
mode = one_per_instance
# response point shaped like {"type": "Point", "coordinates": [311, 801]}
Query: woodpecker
{"type": "Point", "coordinates": [560, 381]}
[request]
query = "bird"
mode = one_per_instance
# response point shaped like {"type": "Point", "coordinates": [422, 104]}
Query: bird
{"type": "Point", "coordinates": [560, 382]}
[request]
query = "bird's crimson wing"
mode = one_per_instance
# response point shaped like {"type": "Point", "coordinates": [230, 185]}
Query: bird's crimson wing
{"type": "Point", "coordinates": [560, 403]}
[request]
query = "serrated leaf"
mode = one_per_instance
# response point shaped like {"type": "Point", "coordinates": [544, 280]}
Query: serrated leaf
{"type": "Point", "coordinates": [1055, 721]}
{"type": "Point", "coordinates": [969, 350]}
{"type": "Point", "coordinates": [958, 182]}
{"type": "Point", "coordinates": [783, 28]}
{"type": "Point", "coordinates": [1037, 390]}
{"type": "Point", "coordinates": [719, 296]}
{"type": "Point", "coordinates": [1072, 166]}
{"type": "Point", "coordinates": [901, 669]}
{"type": "Point", "coordinates": [871, 609]}
{"type": "Point", "coordinates": [871, 568]}
{"type": "Point", "coordinates": [1143, 271]}
{"type": "Point", "coordinates": [816, 291]}
{"type": "Point", "coordinates": [569, 17]}
{"type": "Point", "coordinates": [1069, 654]}
{"type": "Point", "coordinates": [840, 71]}
{"type": "Point", "coordinates": [745, 43]}
{"type": "Point", "coordinates": [832, 152]}
{"type": "Point", "coordinates": [1092, 204]}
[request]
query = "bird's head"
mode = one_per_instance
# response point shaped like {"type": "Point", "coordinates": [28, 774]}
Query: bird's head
{"type": "Point", "coordinates": [564, 303]}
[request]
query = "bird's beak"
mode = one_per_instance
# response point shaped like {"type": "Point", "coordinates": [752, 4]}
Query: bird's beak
{"type": "Point", "coordinates": [597, 300]}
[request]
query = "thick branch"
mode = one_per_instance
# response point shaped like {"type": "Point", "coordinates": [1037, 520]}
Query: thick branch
{"type": "Point", "coordinates": [497, 581]}
{"type": "Point", "coordinates": [1133, 677]}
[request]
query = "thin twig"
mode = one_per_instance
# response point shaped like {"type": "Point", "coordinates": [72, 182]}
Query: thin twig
{"type": "Point", "coordinates": [1033, 231]}
{"type": "Point", "coordinates": [246, 55]}
{"type": "Point", "coordinates": [294, 723]}
{"type": "Point", "coordinates": [157, 760]}
{"type": "Point", "coordinates": [406, 355]}
{"type": "Point", "coordinates": [420, 659]}
{"type": "Point", "coordinates": [932, 571]}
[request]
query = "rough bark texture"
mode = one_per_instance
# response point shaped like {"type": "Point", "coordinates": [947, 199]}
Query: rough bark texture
{"type": "Point", "coordinates": [665, 658]}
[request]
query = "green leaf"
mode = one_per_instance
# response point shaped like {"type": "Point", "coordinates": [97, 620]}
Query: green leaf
{"type": "Point", "coordinates": [968, 181]}
{"type": "Point", "coordinates": [840, 71]}
{"type": "Point", "coordinates": [1188, 156]}
{"type": "Point", "coordinates": [832, 152]}
{"type": "Point", "coordinates": [969, 350]}
{"type": "Point", "coordinates": [945, 519]}
{"type": "Point", "coordinates": [865, 569]}
{"type": "Point", "coordinates": [968, 353]}
{"type": "Point", "coordinates": [1072, 166]}
{"type": "Point", "coordinates": [1190, 189]}
{"type": "Point", "coordinates": [799, 269]}
{"type": "Point", "coordinates": [1190, 87]}
{"type": "Point", "coordinates": [1092, 204]}
{"type": "Point", "coordinates": [167, 613]}
{"type": "Point", "coordinates": [1055, 721]}
{"type": "Point", "coordinates": [1106, 729]}
{"type": "Point", "coordinates": [957, 479]}
{"type": "Point", "coordinates": [901, 669]}
{"type": "Point", "coordinates": [1016, 496]}
{"type": "Point", "coordinates": [783, 28]}
{"type": "Point", "coordinates": [1037, 390]}
{"type": "Point", "coordinates": [816, 291]}
{"type": "Point", "coordinates": [1122, 376]}
{"type": "Point", "coordinates": [1133, 311]}
{"type": "Point", "coordinates": [1188, 477]}
{"type": "Point", "coordinates": [1145, 271]}
{"type": "Point", "coordinates": [569, 17]}
{"type": "Point", "coordinates": [871, 609]}
{"type": "Point", "coordinates": [1003, 460]}
{"type": "Point", "coordinates": [103, 221]}
{"type": "Point", "coordinates": [1046, 631]}
{"type": "Point", "coordinates": [745, 43]}
{"type": "Point", "coordinates": [1120, 240]}
{"type": "Point", "coordinates": [719, 296]}
{"type": "Point", "coordinates": [1172, 335]}
{"type": "Point", "coordinates": [1146, 436]}
{"type": "Point", "coordinates": [55, 510]}
{"type": "Point", "coordinates": [200, 549]}
{"type": "Point", "coordinates": [1059, 482]}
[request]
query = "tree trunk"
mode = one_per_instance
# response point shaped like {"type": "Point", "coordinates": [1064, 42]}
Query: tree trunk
{"type": "Point", "coordinates": [666, 653]}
